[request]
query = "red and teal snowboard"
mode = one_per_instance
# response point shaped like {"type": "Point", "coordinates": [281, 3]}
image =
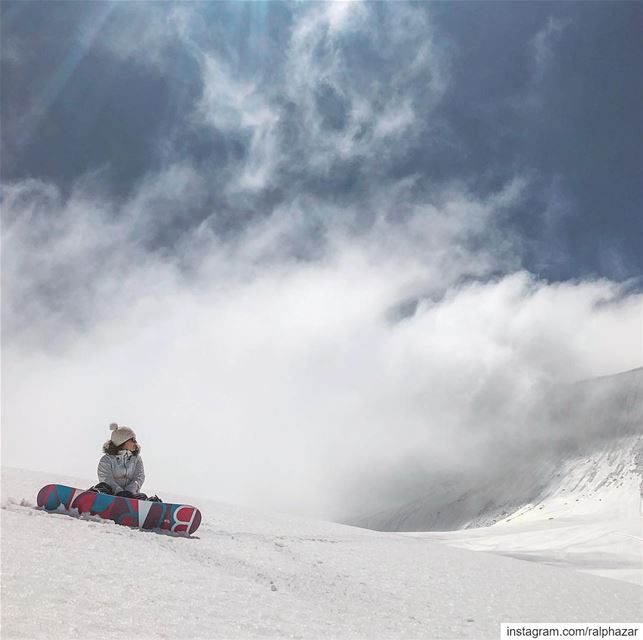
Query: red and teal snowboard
{"type": "Point", "coordinates": [176, 518]}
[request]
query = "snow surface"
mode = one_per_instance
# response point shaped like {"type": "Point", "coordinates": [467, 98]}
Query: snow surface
{"type": "Point", "coordinates": [248, 574]}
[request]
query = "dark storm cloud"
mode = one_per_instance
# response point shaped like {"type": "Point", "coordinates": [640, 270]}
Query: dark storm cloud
{"type": "Point", "coordinates": [551, 91]}
{"type": "Point", "coordinates": [566, 107]}
{"type": "Point", "coordinates": [70, 106]}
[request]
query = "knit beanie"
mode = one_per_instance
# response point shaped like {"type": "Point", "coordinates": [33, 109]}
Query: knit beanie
{"type": "Point", "coordinates": [120, 434]}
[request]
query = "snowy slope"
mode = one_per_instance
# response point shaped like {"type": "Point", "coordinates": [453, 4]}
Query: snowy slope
{"type": "Point", "coordinates": [250, 574]}
{"type": "Point", "coordinates": [578, 505]}
{"type": "Point", "coordinates": [590, 518]}
{"type": "Point", "coordinates": [582, 426]}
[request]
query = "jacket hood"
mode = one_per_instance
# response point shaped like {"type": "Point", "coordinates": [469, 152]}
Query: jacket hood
{"type": "Point", "coordinates": [111, 449]}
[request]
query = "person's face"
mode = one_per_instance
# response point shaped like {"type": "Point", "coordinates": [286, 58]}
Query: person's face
{"type": "Point", "coordinates": [130, 444]}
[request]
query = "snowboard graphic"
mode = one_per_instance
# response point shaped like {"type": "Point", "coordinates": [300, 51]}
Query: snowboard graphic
{"type": "Point", "coordinates": [177, 518]}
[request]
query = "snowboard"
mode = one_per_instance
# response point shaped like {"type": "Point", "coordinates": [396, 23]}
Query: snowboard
{"type": "Point", "coordinates": [176, 518]}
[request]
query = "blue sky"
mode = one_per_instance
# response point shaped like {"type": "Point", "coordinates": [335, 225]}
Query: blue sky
{"type": "Point", "coordinates": [358, 236]}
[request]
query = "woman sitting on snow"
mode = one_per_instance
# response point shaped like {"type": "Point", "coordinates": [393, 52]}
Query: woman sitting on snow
{"type": "Point", "coordinates": [120, 470]}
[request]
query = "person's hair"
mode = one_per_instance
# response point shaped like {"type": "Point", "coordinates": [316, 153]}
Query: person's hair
{"type": "Point", "coordinates": [111, 449]}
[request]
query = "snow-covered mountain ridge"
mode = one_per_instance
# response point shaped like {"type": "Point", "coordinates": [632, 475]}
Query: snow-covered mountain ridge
{"type": "Point", "coordinates": [249, 574]}
{"type": "Point", "coordinates": [595, 441]}
{"type": "Point", "coordinates": [589, 519]}
{"type": "Point", "coordinates": [578, 505]}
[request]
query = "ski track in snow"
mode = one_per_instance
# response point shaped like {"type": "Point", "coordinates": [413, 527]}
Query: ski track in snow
{"type": "Point", "coordinates": [249, 574]}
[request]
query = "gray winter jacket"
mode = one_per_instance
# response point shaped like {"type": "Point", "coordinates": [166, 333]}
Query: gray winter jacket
{"type": "Point", "coordinates": [122, 472]}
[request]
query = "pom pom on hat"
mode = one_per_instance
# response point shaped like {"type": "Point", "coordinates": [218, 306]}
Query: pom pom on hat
{"type": "Point", "coordinates": [120, 434]}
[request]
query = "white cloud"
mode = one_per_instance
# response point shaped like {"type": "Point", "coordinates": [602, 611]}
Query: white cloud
{"type": "Point", "coordinates": [144, 34]}
{"type": "Point", "coordinates": [258, 378]}
{"type": "Point", "coordinates": [274, 366]}
{"type": "Point", "coordinates": [544, 43]}
{"type": "Point", "coordinates": [317, 66]}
